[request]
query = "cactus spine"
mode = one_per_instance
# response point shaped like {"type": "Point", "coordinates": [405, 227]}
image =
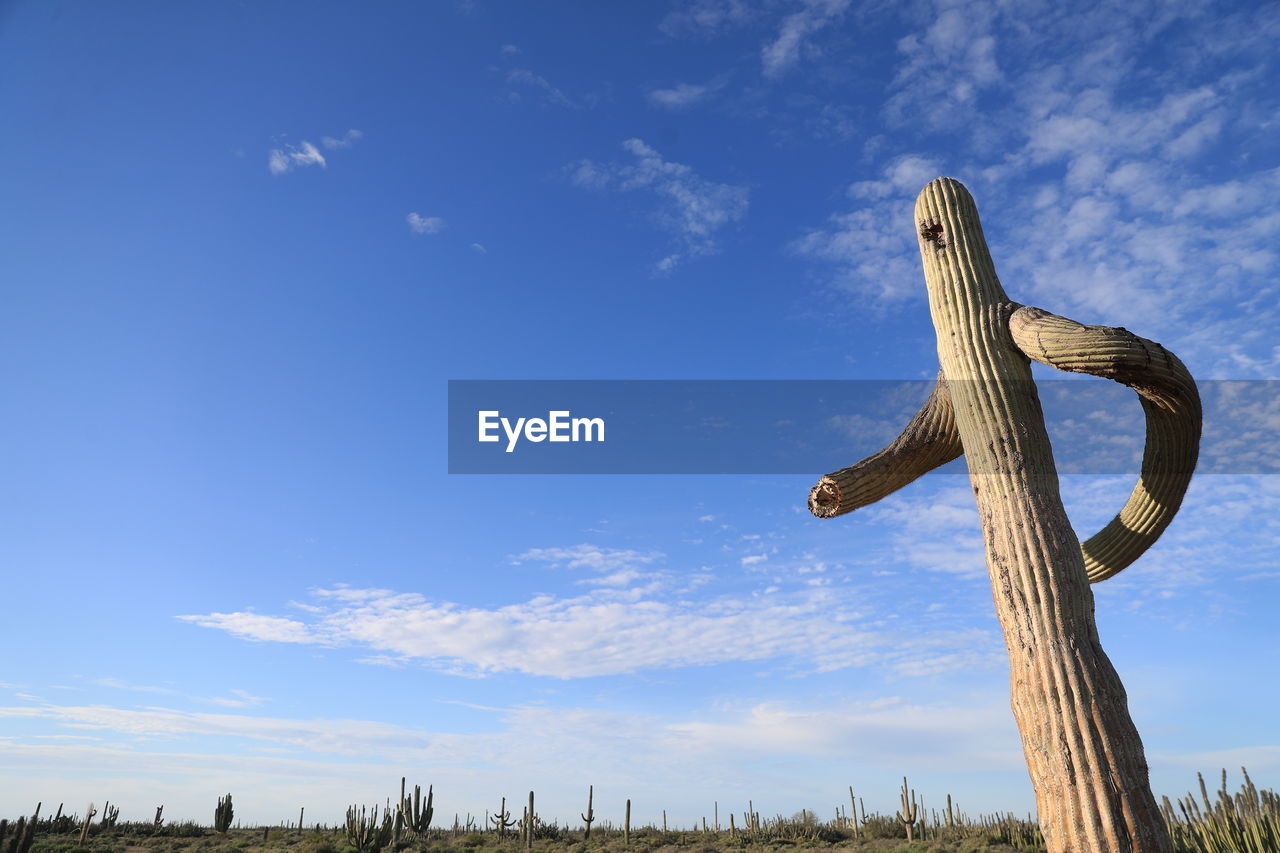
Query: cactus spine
{"type": "Point", "coordinates": [223, 815]}
{"type": "Point", "coordinates": [907, 814]}
{"type": "Point", "coordinates": [1082, 749]}
{"type": "Point", "coordinates": [590, 815]}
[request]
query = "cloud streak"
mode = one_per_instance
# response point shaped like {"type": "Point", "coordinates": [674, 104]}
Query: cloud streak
{"type": "Point", "coordinates": [288, 158]}
{"type": "Point", "coordinates": [614, 629]}
{"type": "Point", "coordinates": [694, 209]}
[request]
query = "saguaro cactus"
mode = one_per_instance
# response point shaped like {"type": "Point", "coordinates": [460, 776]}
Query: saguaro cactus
{"type": "Point", "coordinates": [412, 813]}
{"type": "Point", "coordinates": [588, 816]}
{"type": "Point", "coordinates": [1082, 749]}
{"type": "Point", "coordinates": [223, 815]}
{"type": "Point", "coordinates": [909, 811]}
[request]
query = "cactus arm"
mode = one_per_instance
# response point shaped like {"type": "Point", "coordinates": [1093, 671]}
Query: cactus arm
{"type": "Point", "coordinates": [929, 440]}
{"type": "Point", "coordinates": [1173, 413]}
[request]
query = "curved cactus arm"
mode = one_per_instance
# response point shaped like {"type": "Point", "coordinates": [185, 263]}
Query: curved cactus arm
{"type": "Point", "coordinates": [929, 440]}
{"type": "Point", "coordinates": [1173, 413]}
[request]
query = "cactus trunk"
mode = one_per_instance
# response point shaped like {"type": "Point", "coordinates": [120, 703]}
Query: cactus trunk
{"type": "Point", "coordinates": [1081, 746]}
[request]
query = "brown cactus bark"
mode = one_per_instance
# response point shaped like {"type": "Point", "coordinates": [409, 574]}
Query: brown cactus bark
{"type": "Point", "coordinates": [1082, 748]}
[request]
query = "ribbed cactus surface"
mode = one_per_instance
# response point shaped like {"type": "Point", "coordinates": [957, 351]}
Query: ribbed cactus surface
{"type": "Point", "coordinates": [1082, 749]}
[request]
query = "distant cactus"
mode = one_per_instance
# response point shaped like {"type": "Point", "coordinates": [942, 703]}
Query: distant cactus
{"type": "Point", "coordinates": [366, 832]}
{"type": "Point", "coordinates": [530, 818]}
{"type": "Point", "coordinates": [908, 813]}
{"type": "Point", "coordinates": [24, 832]}
{"type": "Point", "coordinates": [590, 815]}
{"type": "Point", "coordinates": [88, 819]}
{"type": "Point", "coordinates": [223, 815]}
{"type": "Point", "coordinates": [502, 820]}
{"type": "Point", "coordinates": [413, 813]}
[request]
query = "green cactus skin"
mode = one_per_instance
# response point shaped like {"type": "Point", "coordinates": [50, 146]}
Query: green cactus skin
{"type": "Point", "coordinates": [908, 813]}
{"type": "Point", "coordinates": [530, 818]}
{"type": "Point", "coordinates": [502, 821]}
{"type": "Point", "coordinates": [412, 813]}
{"type": "Point", "coordinates": [1082, 749]}
{"type": "Point", "coordinates": [590, 815]}
{"type": "Point", "coordinates": [223, 815]}
{"type": "Point", "coordinates": [366, 832]}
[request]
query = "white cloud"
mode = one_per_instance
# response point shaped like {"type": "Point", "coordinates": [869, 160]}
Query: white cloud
{"type": "Point", "coordinates": [706, 18]}
{"type": "Point", "coordinates": [607, 631]}
{"type": "Point", "coordinates": [526, 78]}
{"type": "Point", "coordinates": [285, 159]}
{"type": "Point", "coordinates": [254, 626]}
{"type": "Point", "coordinates": [792, 39]}
{"type": "Point", "coordinates": [693, 208]}
{"type": "Point", "coordinates": [589, 557]}
{"type": "Point", "coordinates": [684, 95]}
{"type": "Point", "coordinates": [239, 699]}
{"type": "Point", "coordinates": [479, 249]}
{"type": "Point", "coordinates": [873, 246]}
{"type": "Point", "coordinates": [419, 224]}
{"type": "Point", "coordinates": [178, 757]}
{"type": "Point", "coordinates": [347, 139]}
{"type": "Point", "coordinates": [946, 66]}
{"type": "Point", "coordinates": [939, 532]}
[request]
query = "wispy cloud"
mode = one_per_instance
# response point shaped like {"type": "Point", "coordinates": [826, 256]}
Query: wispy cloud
{"type": "Point", "coordinates": [237, 699]}
{"type": "Point", "coordinates": [707, 17]}
{"type": "Point", "coordinates": [589, 557]}
{"type": "Point", "coordinates": [693, 208]}
{"type": "Point", "coordinates": [420, 224]}
{"type": "Point", "coordinates": [684, 95]}
{"type": "Point", "coordinates": [795, 32]}
{"type": "Point", "coordinates": [351, 137]}
{"type": "Point", "coordinates": [872, 247]}
{"type": "Point", "coordinates": [946, 66]}
{"type": "Point", "coordinates": [527, 79]}
{"type": "Point", "coordinates": [290, 157]}
{"type": "Point", "coordinates": [328, 762]}
{"type": "Point", "coordinates": [607, 631]}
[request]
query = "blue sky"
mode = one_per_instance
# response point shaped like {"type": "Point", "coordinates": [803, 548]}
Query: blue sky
{"type": "Point", "coordinates": [245, 246]}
